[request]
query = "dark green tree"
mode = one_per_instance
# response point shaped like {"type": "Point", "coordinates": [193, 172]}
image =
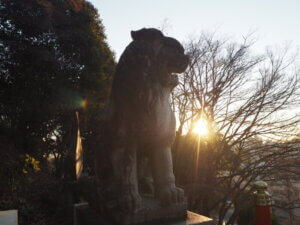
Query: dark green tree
{"type": "Point", "coordinates": [54, 61]}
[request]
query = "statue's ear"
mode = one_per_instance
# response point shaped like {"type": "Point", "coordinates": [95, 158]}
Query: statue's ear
{"type": "Point", "coordinates": [146, 34]}
{"type": "Point", "coordinates": [139, 34]}
{"type": "Point", "coordinates": [133, 35]}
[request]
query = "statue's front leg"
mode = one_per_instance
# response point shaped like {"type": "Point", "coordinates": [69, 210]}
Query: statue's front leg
{"type": "Point", "coordinates": [125, 169]}
{"type": "Point", "coordinates": [164, 179]}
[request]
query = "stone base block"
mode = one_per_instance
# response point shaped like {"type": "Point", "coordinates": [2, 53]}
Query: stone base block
{"type": "Point", "coordinates": [152, 211]}
{"type": "Point", "coordinates": [9, 217]}
{"type": "Point", "coordinates": [151, 214]}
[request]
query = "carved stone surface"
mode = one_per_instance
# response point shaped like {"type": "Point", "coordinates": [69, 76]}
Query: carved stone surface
{"type": "Point", "coordinates": [140, 128]}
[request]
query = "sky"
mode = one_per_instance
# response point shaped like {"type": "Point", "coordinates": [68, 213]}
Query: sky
{"type": "Point", "coordinates": [275, 23]}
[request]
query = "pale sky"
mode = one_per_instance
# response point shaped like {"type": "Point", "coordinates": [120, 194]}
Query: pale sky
{"type": "Point", "coordinates": [275, 22]}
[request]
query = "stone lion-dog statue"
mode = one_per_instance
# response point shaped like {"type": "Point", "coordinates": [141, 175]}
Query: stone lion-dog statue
{"type": "Point", "coordinates": [140, 123]}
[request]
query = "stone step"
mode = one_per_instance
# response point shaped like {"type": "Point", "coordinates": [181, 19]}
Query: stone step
{"type": "Point", "coordinates": [84, 215]}
{"type": "Point", "coordinates": [9, 217]}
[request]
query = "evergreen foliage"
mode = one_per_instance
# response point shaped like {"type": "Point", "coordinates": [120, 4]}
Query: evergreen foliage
{"type": "Point", "coordinates": [54, 61]}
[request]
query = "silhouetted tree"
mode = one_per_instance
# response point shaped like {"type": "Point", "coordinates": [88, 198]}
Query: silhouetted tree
{"type": "Point", "coordinates": [244, 98]}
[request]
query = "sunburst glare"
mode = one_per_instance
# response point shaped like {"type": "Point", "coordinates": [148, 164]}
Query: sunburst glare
{"type": "Point", "coordinates": [200, 127]}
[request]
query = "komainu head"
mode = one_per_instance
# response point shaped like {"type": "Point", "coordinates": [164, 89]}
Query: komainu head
{"type": "Point", "coordinates": [149, 63]}
{"type": "Point", "coordinates": [166, 49]}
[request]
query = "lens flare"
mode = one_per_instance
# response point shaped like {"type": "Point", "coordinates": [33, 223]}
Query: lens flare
{"type": "Point", "coordinates": [84, 104]}
{"type": "Point", "coordinates": [200, 127]}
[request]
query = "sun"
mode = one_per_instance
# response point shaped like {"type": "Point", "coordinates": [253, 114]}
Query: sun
{"type": "Point", "coordinates": [200, 127]}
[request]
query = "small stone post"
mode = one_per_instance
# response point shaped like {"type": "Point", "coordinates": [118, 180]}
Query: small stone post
{"type": "Point", "coordinates": [262, 204]}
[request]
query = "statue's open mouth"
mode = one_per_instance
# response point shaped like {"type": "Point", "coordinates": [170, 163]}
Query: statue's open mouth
{"type": "Point", "coordinates": [174, 76]}
{"type": "Point", "coordinates": [179, 64]}
{"type": "Point", "coordinates": [173, 80]}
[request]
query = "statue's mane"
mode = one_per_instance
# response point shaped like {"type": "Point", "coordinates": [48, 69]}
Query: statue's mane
{"type": "Point", "coordinates": [142, 74]}
{"type": "Point", "coordinates": [137, 82]}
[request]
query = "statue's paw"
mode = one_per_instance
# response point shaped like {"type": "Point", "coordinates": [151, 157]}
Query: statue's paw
{"type": "Point", "coordinates": [170, 194]}
{"type": "Point", "coordinates": [131, 202]}
{"type": "Point", "coordinates": [146, 185]}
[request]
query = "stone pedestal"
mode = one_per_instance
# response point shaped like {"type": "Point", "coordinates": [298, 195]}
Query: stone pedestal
{"type": "Point", "coordinates": [9, 217]}
{"type": "Point", "coordinates": [151, 214]}
{"type": "Point", "coordinates": [151, 211]}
